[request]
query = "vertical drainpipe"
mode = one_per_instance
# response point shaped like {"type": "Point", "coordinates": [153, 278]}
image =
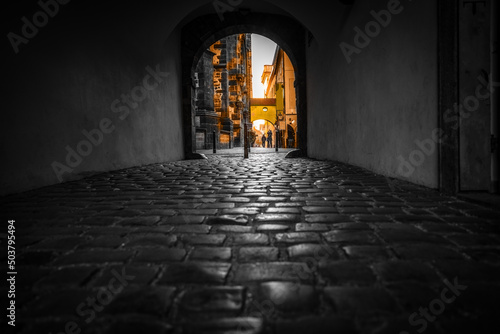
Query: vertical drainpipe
{"type": "Point", "coordinates": [495, 77]}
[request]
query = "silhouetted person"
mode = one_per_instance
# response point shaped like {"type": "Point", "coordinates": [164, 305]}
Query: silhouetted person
{"type": "Point", "coordinates": [253, 137]}
{"type": "Point", "coordinates": [269, 139]}
{"type": "Point", "coordinates": [264, 140]}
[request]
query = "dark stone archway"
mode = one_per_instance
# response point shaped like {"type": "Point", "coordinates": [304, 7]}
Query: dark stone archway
{"type": "Point", "coordinates": [203, 31]}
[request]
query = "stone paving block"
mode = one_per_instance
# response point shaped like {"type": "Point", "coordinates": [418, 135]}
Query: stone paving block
{"type": "Point", "coordinates": [204, 212]}
{"type": "Point", "coordinates": [154, 231]}
{"type": "Point", "coordinates": [108, 230]}
{"type": "Point", "coordinates": [236, 199]}
{"type": "Point", "coordinates": [371, 218]}
{"type": "Point", "coordinates": [181, 206]}
{"type": "Point", "coordinates": [204, 229]}
{"type": "Point", "coordinates": [289, 210]}
{"type": "Point", "coordinates": [297, 237]}
{"type": "Point", "coordinates": [272, 228]}
{"type": "Point", "coordinates": [241, 239]}
{"type": "Point", "coordinates": [271, 199]}
{"type": "Point", "coordinates": [160, 255]}
{"type": "Point", "coordinates": [184, 219]}
{"type": "Point", "coordinates": [288, 204]}
{"type": "Point", "coordinates": [273, 271]}
{"type": "Point", "coordinates": [306, 227]}
{"type": "Point", "coordinates": [258, 254]}
{"type": "Point", "coordinates": [351, 237]}
{"type": "Point", "coordinates": [241, 211]}
{"type": "Point", "coordinates": [227, 220]}
{"type": "Point", "coordinates": [327, 218]}
{"type": "Point", "coordinates": [313, 252]}
{"type": "Point", "coordinates": [161, 212]}
{"type": "Point", "coordinates": [367, 252]}
{"type": "Point", "coordinates": [317, 202]}
{"type": "Point", "coordinates": [231, 229]}
{"type": "Point", "coordinates": [218, 205]}
{"type": "Point", "coordinates": [385, 211]}
{"type": "Point", "coordinates": [140, 221]}
{"type": "Point", "coordinates": [211, 254]}
{"type": "Point", "coordinates": [347, 273]}
{"type": "Point", "coordinates": [361, 300]}
{"type": "Point", "coordinates": [212, 299]}
{"type": "Point", "coordinates": [320, 209]}
{"type": "Point", "coordinates": [255, 205]}
{"type": "Point", "coordinates": [203, 239]}
{"type": "Point", "coordinates": [138, 241]}
{"type": "Point", "coordinates": [288, 297]}
{"type": "Point", "coordinates": [195, 272]}
{"type": "Point", "coordinates": [275, 217]}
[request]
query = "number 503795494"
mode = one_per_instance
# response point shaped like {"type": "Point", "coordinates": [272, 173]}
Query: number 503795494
{"type": "Point", "coordinates": [11, 250]}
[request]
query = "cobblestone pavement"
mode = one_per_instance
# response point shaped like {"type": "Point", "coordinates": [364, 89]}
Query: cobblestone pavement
{"type": "Point", "coordinates": [264, 245]}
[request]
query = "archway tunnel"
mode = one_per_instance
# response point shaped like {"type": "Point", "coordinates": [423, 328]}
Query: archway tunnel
{"type": "Point", "coordinates": [120, 225]}
{"type": "Point", "coordinates": [119, 94]}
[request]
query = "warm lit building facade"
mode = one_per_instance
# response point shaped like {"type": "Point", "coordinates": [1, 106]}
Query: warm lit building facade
{"type": "Point", "coordinates": [223, 91]}
{"type": "Point", "coordinates": [279, 83]}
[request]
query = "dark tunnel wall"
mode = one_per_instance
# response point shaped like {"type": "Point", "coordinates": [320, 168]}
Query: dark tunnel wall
{"type": "Point", "coordinates": [66, 94]}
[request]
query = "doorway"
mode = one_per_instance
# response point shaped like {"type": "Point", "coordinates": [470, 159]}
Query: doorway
{"type": "Point", "coordinates": [285, 31]}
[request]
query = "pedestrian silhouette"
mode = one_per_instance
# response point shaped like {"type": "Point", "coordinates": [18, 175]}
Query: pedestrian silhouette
{"type": "Point", "coordinates": [264, 140]}
{"type": "Point", "coordinates": [269, 138]}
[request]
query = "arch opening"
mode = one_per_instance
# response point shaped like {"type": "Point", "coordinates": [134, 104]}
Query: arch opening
{"type": "Point", "coordinates": [289, 34]}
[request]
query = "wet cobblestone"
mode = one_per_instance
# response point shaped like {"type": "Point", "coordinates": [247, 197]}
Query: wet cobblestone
{"type": "Point", "coordinates": [264, 245]}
